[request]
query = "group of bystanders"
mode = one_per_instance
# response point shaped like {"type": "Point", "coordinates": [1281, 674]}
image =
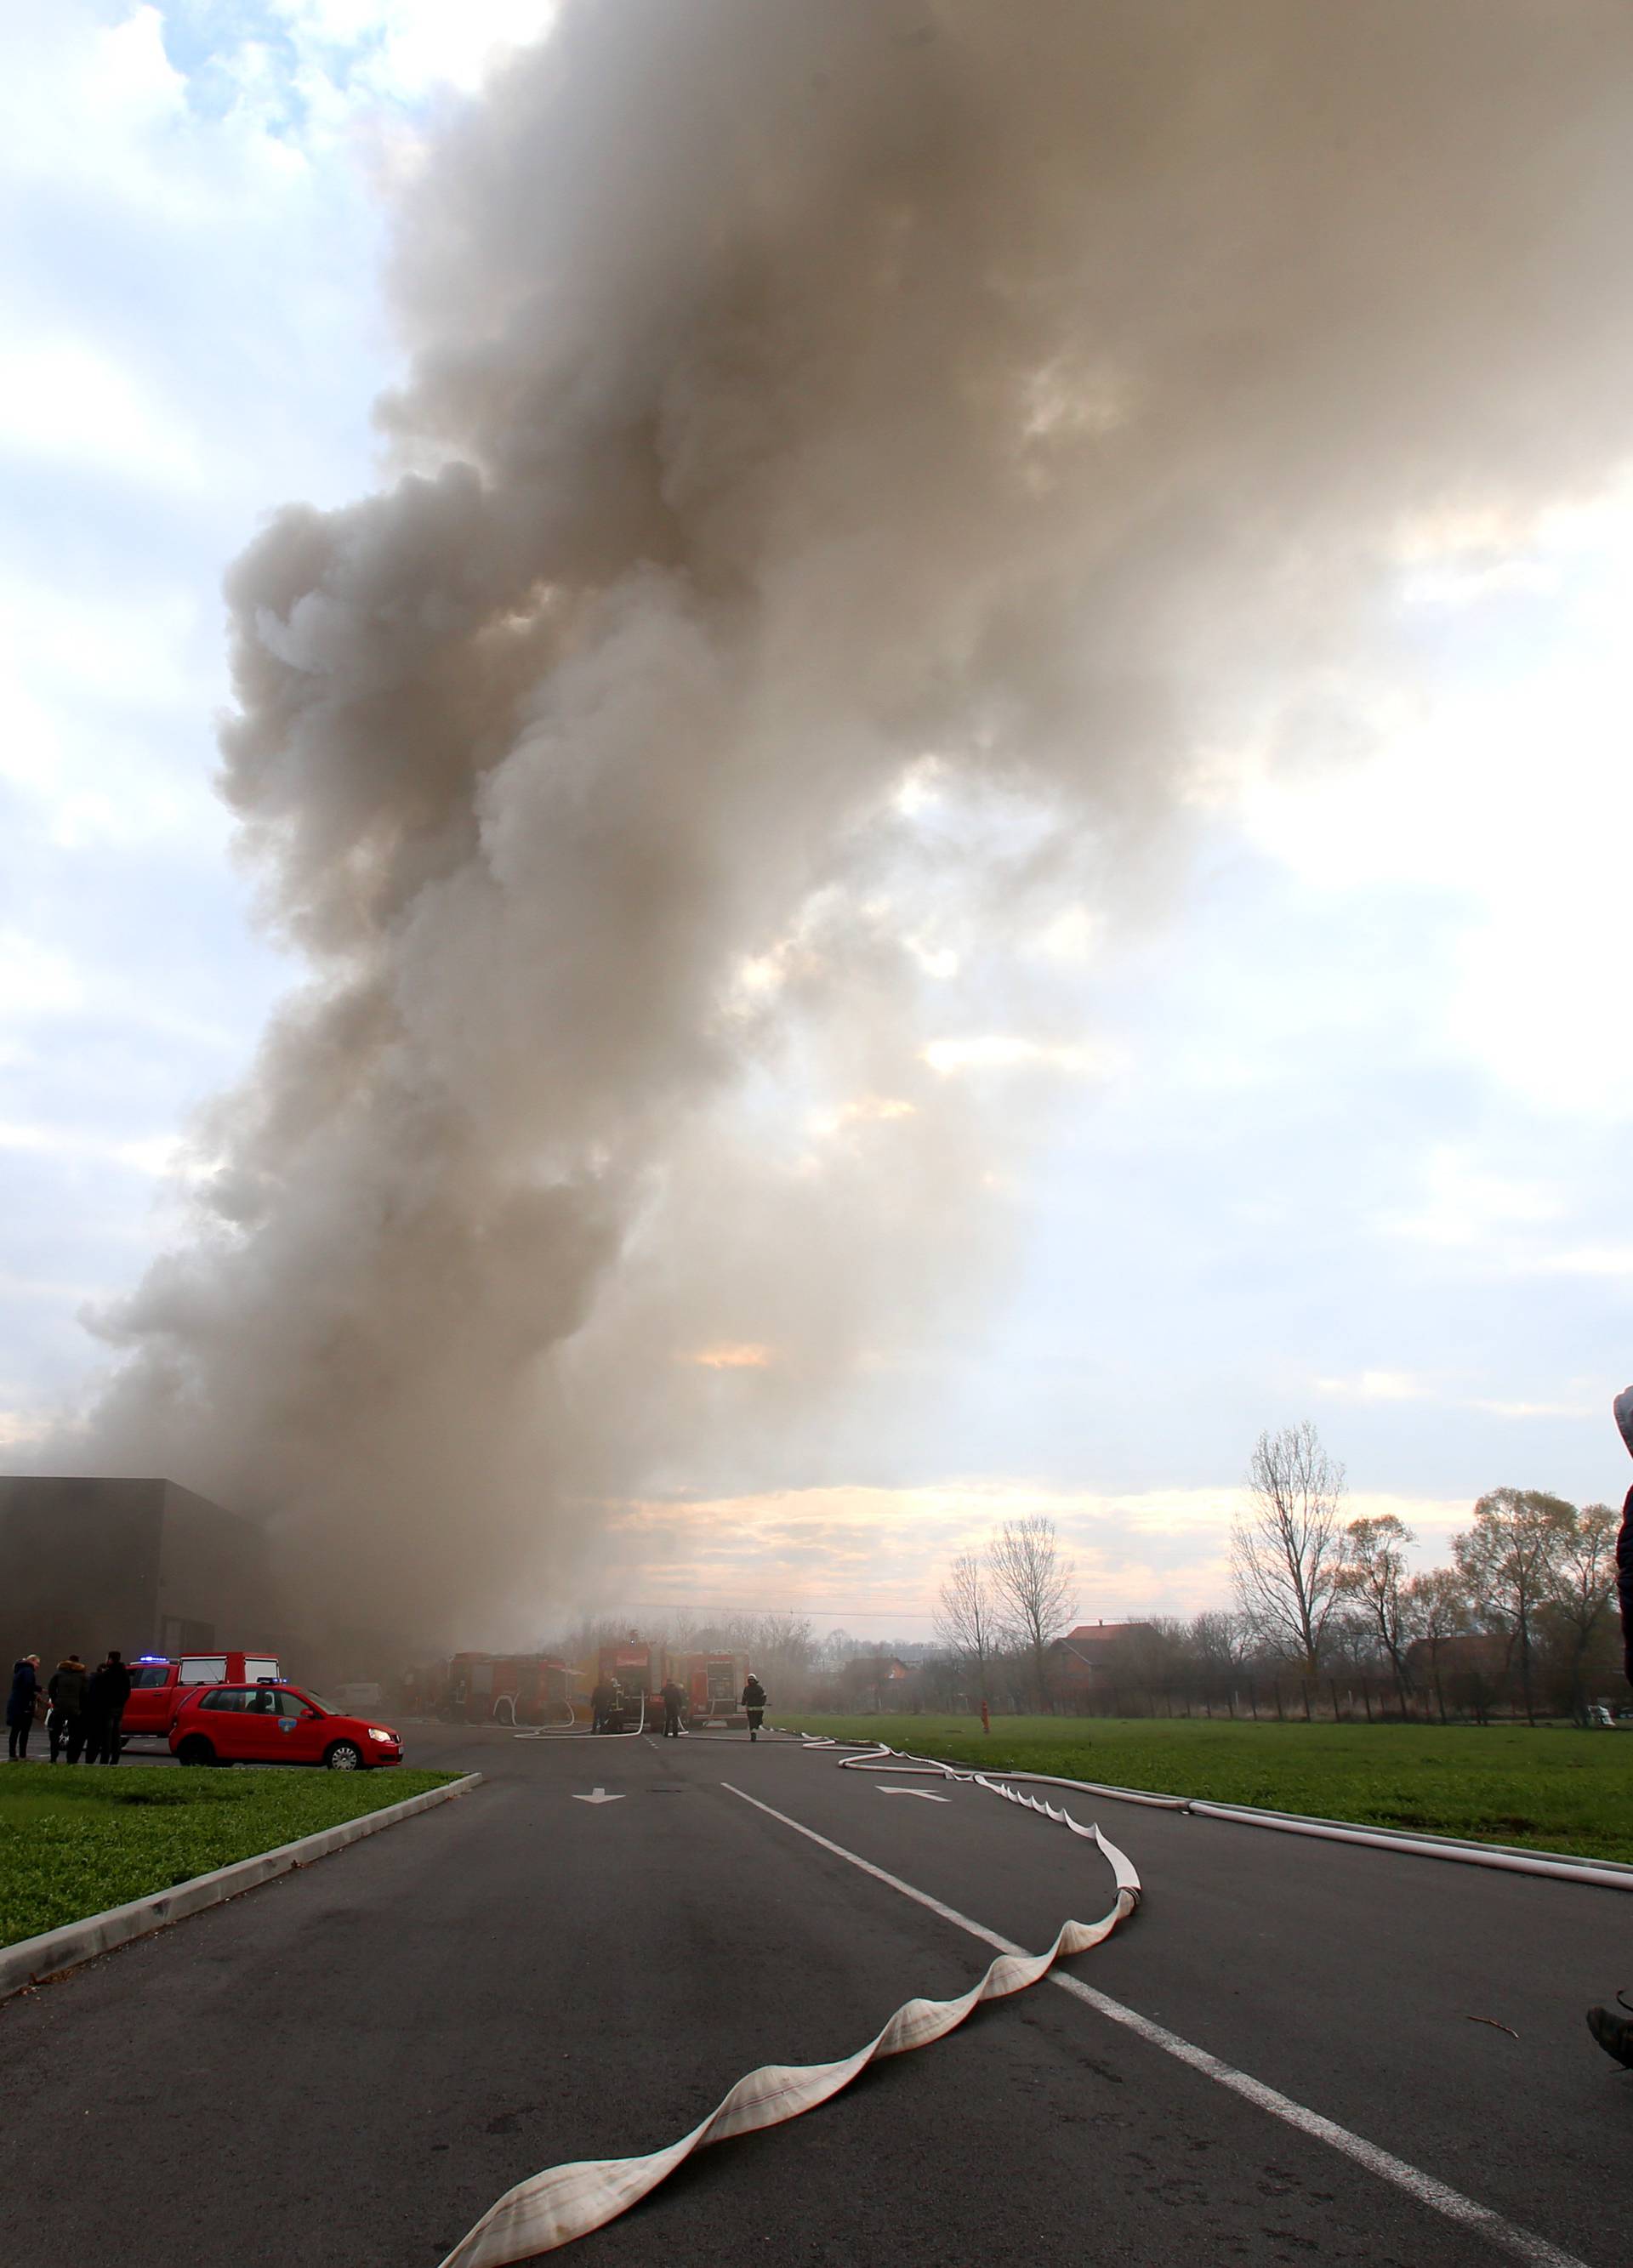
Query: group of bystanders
{"type": "Point", "coordinates": [84, 1708]}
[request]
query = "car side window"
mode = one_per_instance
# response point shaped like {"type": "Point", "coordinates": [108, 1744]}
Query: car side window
{"type": "Point", "coordinates": [290, 1705]}
{"type": "Point", "coordinates": [260, 1704]}
{"type": "Point", "coordinates": [230, 1696]}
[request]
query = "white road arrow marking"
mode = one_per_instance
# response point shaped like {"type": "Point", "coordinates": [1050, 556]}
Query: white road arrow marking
{"type": "Point", "coordinates": [923, 1795]}
{"type": "Point", "coordinates": [599, 1796]}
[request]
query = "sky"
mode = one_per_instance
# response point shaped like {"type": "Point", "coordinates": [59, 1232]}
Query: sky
{"type": "Point", "coordinates": [1334, 1117]}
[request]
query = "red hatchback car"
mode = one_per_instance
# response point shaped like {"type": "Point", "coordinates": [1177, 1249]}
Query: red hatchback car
{"type": "Point", "coordinates": [276, 1724]}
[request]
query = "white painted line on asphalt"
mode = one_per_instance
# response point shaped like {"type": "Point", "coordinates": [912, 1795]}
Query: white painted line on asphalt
{"type": "Point", "coordinates": [1519, 2243]}
{"type": "Point", "coordinates": [923, 1795]}
{"type": "Point", "coordinates": [599, 1796]}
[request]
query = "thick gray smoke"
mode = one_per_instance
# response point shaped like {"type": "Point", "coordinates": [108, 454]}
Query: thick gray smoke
{"type": "Point", "coordinates": [801, 390]}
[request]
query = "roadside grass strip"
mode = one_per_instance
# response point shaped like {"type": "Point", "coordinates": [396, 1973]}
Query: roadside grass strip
{"type": "Point", "coordinates": [77, 1839]}
{"type": "Point", "coordinates": [1601, 1874]}
{"type": "Point", "coordinates": [1549, 1788]}
{"type": "Point", "coordinates": [565, 2202]}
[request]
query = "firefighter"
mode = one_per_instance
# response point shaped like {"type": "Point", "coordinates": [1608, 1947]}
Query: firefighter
{"type": "Point", "coordinates": [601, 1706]}
{"type": "Point", "coordinates": [674, 1702]}
{"type": "Point", "coordinates": [753, 1702]}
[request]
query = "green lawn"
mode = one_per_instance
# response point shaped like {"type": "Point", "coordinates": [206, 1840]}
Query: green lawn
{"type": "Point", "coordinates": [1547, 1788]}
{"type": "Point", "coordinates": [76, 1839]}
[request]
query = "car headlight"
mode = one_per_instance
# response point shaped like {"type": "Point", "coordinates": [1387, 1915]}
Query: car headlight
{"type": "Point", "coordinates": [378, 1733]}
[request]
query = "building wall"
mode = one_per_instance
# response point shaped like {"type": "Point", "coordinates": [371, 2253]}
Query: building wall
{"type": "Point", "coordinates": [143, 1565]}
{"type": "Point", "coordinates": [79, 1563]}
{"type": "Point", "coordinates": [214, 1584]}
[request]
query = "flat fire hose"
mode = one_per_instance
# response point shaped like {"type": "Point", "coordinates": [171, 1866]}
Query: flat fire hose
{"type": "Point", "coordinates": [566, 2202]}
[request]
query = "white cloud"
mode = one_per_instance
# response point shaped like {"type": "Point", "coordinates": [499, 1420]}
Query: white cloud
{"type": "Point", "coordinates": [1377, 1386]}
{"type": "Point", "coordinates": [1502, 788]}
{"type": "Point", "coordinates": [158, 1156]}
{"type": "Point", "coordinates": [1588, 1260]}
{"type": "Point", "coordinates": [1532, 1408]}
{"type": "Point", "coordinates": [741, 1355]}
{"type": "Point", "coordinates": [1072, 938]}
{"type": "Point", "coordinates": [825, 1550]}
{"type": "Point", "coordinates": [21, 1429]}
{"type": "Point", "coordinates": [403, 48]}
{"type": "Point", "coordinates": [36, 981]}
{"type": "Point", "coordinates": [866, 1110]}
{"type": "Point", "coordinates": [1465, 1204]}
{"type": "Point", "coordinates": [61, 399]}
{"type": "Point", "coordinates": [1008, 1051]}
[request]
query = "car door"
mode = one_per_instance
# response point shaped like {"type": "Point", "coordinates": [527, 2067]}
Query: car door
{"type": "Point", "coordinates": [256, 1726]}
{"type": "Point", "coordinates": [217, 1716]}
{"type": "Point", "coordinates": [302, 1734]}
{"type": "Point", "coordinates": [148, 1710]}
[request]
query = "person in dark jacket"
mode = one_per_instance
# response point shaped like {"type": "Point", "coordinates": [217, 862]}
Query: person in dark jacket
{"type": "Point", "coordinates": [753, 1702]}
{"type": "Point", "coordinates": [674, 1702]}
{"type": "Point", "coordinates": [1612, 2028]}
{"type": "Point", "coordinates": [104, 1705]}
{"type": "Point", "coordinates": [19, 1708]}
{"type": "Point", "coordinates": [601, 1706]}
{"type": "Point", "coordinates": [66, 1692]}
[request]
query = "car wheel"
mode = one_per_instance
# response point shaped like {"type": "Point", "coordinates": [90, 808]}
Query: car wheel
{"type": "Point", "coordinates": [196, 1750]}
{"type": "Point", "coordinates": [345, 1756]}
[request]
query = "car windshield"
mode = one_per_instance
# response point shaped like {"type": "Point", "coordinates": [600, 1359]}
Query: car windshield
{"type": "Point", "coordinates": [315, 1699]}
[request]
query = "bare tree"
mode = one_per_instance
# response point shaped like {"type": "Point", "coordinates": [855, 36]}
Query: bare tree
{"type": "Point", "coordinates": [1035, 1588]}
{"type": "Point", "coordinates": [1287, 1552]}
{"type": "Point", "coordinates": [1375, 1576]}
{"type": "Point", "coordinates": [1510, 1559]}
{"type": "Point", "coordinates": [1587, 1582]}
{"type": "Point", "coordinates": [1434, 1606]}
{"type": "Point", "coordinates": [965, 1620]}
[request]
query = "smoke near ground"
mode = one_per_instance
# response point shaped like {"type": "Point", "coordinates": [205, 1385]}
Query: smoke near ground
{"type": "Point", "coordinates": [870, 469]}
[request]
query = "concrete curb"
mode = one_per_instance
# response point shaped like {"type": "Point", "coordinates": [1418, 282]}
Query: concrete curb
{"type": "Point", "coordinates": [35, 1958]}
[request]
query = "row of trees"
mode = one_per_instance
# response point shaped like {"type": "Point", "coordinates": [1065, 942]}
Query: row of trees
{"type": "Point", "coordinates": [1329, 1614]}
{"type": "Point", "coordinates": [1531, 1570]}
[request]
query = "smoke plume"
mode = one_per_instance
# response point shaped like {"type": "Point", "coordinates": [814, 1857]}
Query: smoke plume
{"type": "Point", "coordinates": [807, 402]}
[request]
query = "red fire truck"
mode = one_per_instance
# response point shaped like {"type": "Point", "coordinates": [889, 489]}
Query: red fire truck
{"type": "Point", "coordinates": [640, 1671]}
{"type": "Point", "coordinates": [713, 1681]}
{"type": "Point", "coordinates": [514, 1688]}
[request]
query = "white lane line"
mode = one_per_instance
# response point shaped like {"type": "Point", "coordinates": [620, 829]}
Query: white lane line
{"type": "Point", "coordinates": [1508, 2236]}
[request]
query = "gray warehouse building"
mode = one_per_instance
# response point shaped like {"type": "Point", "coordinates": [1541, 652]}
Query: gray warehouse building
{"type": "Point", "coordinates": [143, 1565]}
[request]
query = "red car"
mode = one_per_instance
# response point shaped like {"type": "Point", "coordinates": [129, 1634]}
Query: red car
{"type": "Point", "coordinates": [276, 1724]}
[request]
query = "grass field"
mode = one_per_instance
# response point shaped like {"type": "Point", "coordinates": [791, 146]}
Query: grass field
{"type": "Point", "coordinates": [76, 1839]}
{"type": "Point", "coordinates": [1549, 1789]}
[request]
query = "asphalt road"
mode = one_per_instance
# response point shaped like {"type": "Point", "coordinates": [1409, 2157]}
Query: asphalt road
{"type": "Point", "coordinates": [349, 2064]}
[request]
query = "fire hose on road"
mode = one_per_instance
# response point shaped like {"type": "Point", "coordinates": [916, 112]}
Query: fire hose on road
{"type": "Point", "coordinates": [553, 2208]}
{"type": "Point", "coordinates": [573, 1730]}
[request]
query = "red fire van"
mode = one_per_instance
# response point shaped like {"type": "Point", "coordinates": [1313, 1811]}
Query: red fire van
{"type": "Point", "coordinates": [159, 1686]}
